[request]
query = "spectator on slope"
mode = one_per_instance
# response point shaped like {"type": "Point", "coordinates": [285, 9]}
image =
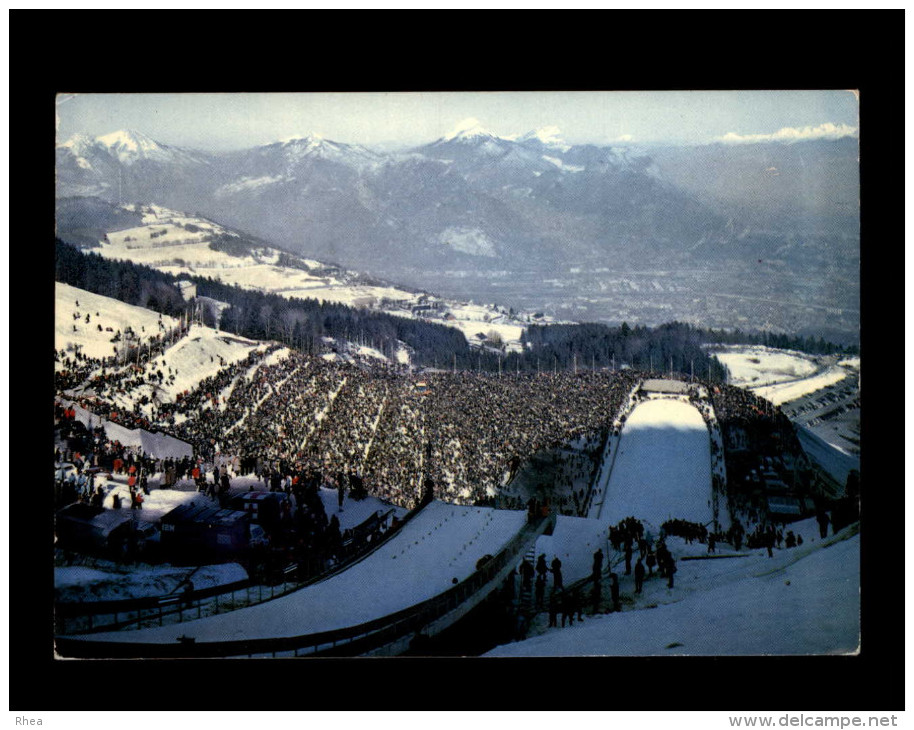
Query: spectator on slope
{"type": "Point", "coordinates": [540, 589]}
{"type": "Point", "coordinates": [597, 568]}
{"type": "Point", "coordinates": [823, 520]}
{"type": "Point", "coordinates": [577, 604]}
{"type": "Point", "coordinates": [670, 570]}
{"type": "Point", "coordinates": [556, 574]}
{"type": "Point", "coordinates": [553, 610]}
{"type": "Point", "coordinates": [651, 561]}
{"type": "Point", "coordinates": [736, 535]}
{"type": "Point", "coordinates": [614, 591]}
{"type": "Point", "coordinates": [526, 574]}
{"type": "Point", "coordinates": [224, 484]}
{"type": "Point", "coordinates": [639, 575]}
{"type": "Point", "coordinates": [541, 568]}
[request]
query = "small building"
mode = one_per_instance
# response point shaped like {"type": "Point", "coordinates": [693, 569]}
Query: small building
{"type": "Point", "coordinates": [82, 526]}
{"type": "Point", "coordinates": [265, 508]}
{"type": "Point", "coordinates": [657, 385]}
{"type": "Point", "coordinates": [205, 531]}
{"type": "Point", "coordinates": [784, 508]}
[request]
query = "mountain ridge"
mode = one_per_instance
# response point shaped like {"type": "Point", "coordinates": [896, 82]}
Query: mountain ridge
{"type": "Point", "coordinates": [445, 215]}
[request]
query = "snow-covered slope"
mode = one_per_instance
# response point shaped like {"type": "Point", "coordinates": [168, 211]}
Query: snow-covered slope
{"type": "Point", "coordinates": [786, 392]}
{"type": "Point", "coordinates": [77, 584]}
{"type": "Point", "coordinates": [759, 365]}
{"type": "Point", "coordinates": [662, 467]}
{"type": "Point", "coordinates": [185, 245]}
{"type": "Point", "coordinates": [72, 306]}
{"type": "Point", "coordinates": [803, 601]}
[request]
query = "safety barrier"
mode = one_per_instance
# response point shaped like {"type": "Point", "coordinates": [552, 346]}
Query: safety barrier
{"type": "Point", "coordinates": [96, 616]}
{"type": "Point", "coordinates": [349, 641]}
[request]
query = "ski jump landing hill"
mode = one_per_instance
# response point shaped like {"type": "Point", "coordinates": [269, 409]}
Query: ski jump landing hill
{"type": "Point", "coordinates": [660, 464]}
{"type": "Point", "coordinates": [444, 561]}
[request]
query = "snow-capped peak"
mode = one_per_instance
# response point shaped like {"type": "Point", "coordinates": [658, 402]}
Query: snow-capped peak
{"type": "Point", "coordinates": [468, 129]}
{"type": "Point", "coordinates": [128, 141]}
{"type": "Point", "coordinates": [127, 146]}
{"type": "Point", "coordinates": [77, 142]}
{"type": "Point", "coordinates": [310, 138]}
{"type": "Point", "coordinates": [549, 136]}
{"type": "Point", "coordinates": [296, 148]}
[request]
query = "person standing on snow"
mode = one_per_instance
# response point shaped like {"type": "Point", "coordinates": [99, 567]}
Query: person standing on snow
{"type": "Point", "coordinates": [614, 591]}
{"type": "Point", "coordinates": [597, 569]}
{"type": "Point", "coordinates": [651, 562]}
{"type": "Point", "coordinates": [526, 574]}
{"type": "Point", "coordinates": [541, 568]}
{"type": "Point", "coordinates": [556, 574]}
{"type": "Point", "coordinates": [639, 575]}
{"type": "Point", "coordinates": [823, 520]}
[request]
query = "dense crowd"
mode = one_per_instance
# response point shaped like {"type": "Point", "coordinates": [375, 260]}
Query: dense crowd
{"type": "Point", "coordinates": [463, 431]}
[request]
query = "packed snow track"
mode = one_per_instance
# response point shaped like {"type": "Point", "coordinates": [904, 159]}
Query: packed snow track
{"type": "Point", "coordinates": [663, 466]}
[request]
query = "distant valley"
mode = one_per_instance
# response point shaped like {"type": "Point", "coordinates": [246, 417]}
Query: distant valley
{"type": "Point", "coordinates": [761, 236]}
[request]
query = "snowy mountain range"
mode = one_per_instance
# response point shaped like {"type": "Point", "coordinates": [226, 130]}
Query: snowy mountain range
{"type": "Point", "coordinates": [452, 214]}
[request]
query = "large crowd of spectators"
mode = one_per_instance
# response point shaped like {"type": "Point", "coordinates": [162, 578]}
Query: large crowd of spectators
{"type": "Point", "coordinates": [466, 432]}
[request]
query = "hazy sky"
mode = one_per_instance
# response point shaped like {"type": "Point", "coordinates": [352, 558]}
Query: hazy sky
{"type": "Point", "coordinates": [233, 121]}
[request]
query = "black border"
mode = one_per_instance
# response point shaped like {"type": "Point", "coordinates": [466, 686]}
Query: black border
{"type": "Point", "coordinates": [428, 52]}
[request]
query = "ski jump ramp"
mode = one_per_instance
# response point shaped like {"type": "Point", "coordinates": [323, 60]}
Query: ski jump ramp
{"type": "Point", "coordinates": [662, 468]}
{"type": "Point", "coordinates": [436, 550]}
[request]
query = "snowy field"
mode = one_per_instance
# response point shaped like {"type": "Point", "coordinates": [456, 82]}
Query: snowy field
{"type": "Point", "coordinates": [802, 601]}
{"type": "Point", "coordinates": [662, 467]}
{"type": "Point", "coordinates": [102, 311]}
{"type": "Point", "coordinates": [177, 244]}
{"type": "Point", "coordinates": [786, 392]}
{"type": "Point", "coordinates": [472, 327]}
{"type": "Point", "coordinates": [850, 362]}
{"type": "Point", "coordinates": [78, 584]}
{"type": "Point", "coordinates": [574, 540]}
{"type": "Point", "coordinates": [758, 365]}
{"type": "Point", "coordinates": [165, 243]}
{"type": "Point", "coordinates": [441, 544]}
{"type": "Point", "coordinates": [781, 376]}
